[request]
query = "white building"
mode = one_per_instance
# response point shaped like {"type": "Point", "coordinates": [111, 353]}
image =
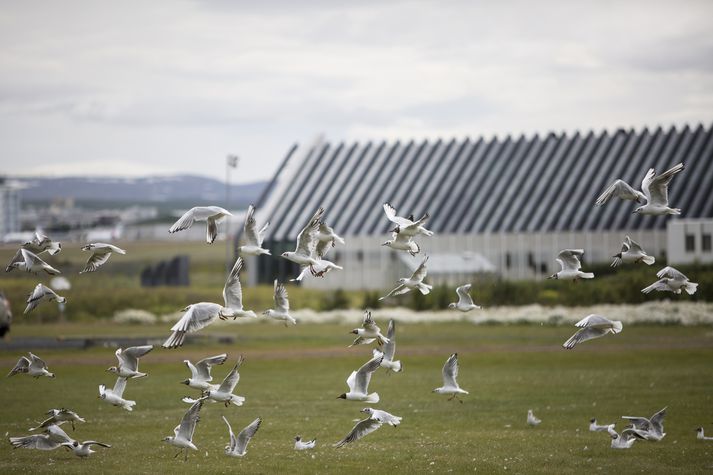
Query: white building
{"type": "Point", "coordinates": [689, 241]}
{"type": "Point", "coordinates": [9, 208]}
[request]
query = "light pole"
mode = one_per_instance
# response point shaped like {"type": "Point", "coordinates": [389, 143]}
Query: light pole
{"type": "Point", "coordinates": [230, 162]}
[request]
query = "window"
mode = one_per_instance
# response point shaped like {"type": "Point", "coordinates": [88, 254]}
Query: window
{"type": "Point", "coordinates": [706, 243]}
{"type": "Point", "coordinates": [508, 260]}
{"type": "Point", "coordinates": [690, 243]}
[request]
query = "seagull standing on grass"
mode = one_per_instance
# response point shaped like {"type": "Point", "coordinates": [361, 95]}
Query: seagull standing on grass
{"type": "Point", "coordinates": [30, 262]}
{"type": "Point", "coordinates": [52, 438]}
{"type": "Point", "coordinates": [238, 446]}
{"type": "Point", "coordinates": [101, 253]}
{"type": "Point", "coordinates": [407, 226]}
{"type": "Point", "coordinates": [450, 374]}
{"type": "Point", "coordinates": [58, 416]}
{"type": "Point", "coordinates": [300, 445]}
{"type": "Point", "coordinates": [389, 351]}
{"type": "Point", "coordinates": [212, 215]}
{"type": "Point", "coordinates": [632, 252]}
{"type": "Point", "coordinates": [304, 253]}
{"type": "Point", "coordinates": [40, 293]}
{"type": "Point", "coordinates": [700, 435]}
{"type": "Point", "coordinates": [84, 449]}
{"type": "Point", "coordinates": [413, 282]}
{"type": "Point", "coordinates": [282, 305]}
{"type": "Point", "coordinates": [569, 261]}
{"type": "Point", "coordinates": [648, 429]}
{"type": "Point", "coordinates": [200, 372]}
{"type": "Point", "coordinates": [183, 433]}
{"type": "Point", "coordinates": [592, 326]}
{"type": "Point", "coordinates": [594, 427]}
{"type": "Point", "coordinates": [358, 383]}
{"type": "Point", "coordinates": [368, 332]}
{"type": "Point", "coordinates": [465, 301]}
{"type": "Point", "coordinates": [115, 396]}
{"type": "Point", "coordinates": [129, 361]}
{"type": "Point", "coordinates": [672, 280]}
{"type": "Point", "coordinates": [253, 238]}
{"type": "Point", "coordinates": [531, 419]}
{"type": "Point", "coordinates": [361, 429]}
{"type": "Point", "coordinates": [33, 366]}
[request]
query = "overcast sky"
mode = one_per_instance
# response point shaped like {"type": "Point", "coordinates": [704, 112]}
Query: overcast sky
{"type": "Point", "coordinates": [165, 87]}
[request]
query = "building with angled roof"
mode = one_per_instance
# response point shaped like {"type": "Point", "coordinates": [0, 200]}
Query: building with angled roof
{"type": "Point", "coordinates": [506, 205]}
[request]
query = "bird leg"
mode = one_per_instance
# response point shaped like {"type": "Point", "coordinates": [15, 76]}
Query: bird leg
{"type": "Point", "coordinates": [73, 425]}
{"type": "Point", "coordinates": [179, 453]}
{"type": "Point", "coordinates": [185, 457]}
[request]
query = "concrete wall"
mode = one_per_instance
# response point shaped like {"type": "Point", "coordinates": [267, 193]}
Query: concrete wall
{"type": "Point", "coordinates": [698, 232]}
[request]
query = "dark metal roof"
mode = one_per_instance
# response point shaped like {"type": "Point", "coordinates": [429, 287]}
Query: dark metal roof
{"type": "Point", "coordinates": [512, 185]}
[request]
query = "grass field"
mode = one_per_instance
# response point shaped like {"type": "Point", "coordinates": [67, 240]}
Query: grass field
{"type": "Point", "coordinates": [292, 376]}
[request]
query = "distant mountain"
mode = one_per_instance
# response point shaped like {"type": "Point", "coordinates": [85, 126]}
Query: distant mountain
{"type": "Point", "coordinates": [155, 190]}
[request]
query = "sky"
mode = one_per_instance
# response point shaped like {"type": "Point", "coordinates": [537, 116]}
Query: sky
{"type": "Point", "coordinates": [137, 88]}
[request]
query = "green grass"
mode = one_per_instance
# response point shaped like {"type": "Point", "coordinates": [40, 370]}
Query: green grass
{"type": "Point", "coordinates": [292, 376]}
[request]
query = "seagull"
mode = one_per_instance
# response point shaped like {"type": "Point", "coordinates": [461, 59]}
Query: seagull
{"type": "Point", "coordinates": [327, 235]}
{"type": "Point", "coordinates": [233, 295]}
{"type": "Point", "coordinates": [238, 446]}
{"type": "Point", "coordinates": [322, 265]}
{"type": "Point", "coordinates": [200, 372]}
{"type": "Point", "coordinates": [358, 383]}
{"type": "Point", "coordinates": [40, 293]}
{"type": "Point", "coordinates": [253, 238]}
{"type": "Point", "coordinates": [368, 332]}
{"type": "Point", "coordinates": [224, 392]}
{"type": "Point", "coordinates": [115, 396]}
{"type": "Point", "coordinates": [84, 449]}
{"type": "Point", "coordinates": [34, 366]}
{"type": "Point", "coordinates": [407, 227]}
{"type": "Point", "coordinates": [655, 189]}
{"type": "Point", "coordinates": [389, 351]}
{"type": "Point", "coordinates": [624, 440]}
{"type": "Point", "coordinates": [304, 253]}
{"type": "Point", "coordinates": [631, 251]}
{"type": "Point", "coordinates": [450, 373]}
{"type": "Point", "coordinates": [210, 214]}
{"type": "Point", "coordinates": [594, 427]}
{"type": "Point", "coordinates": [413, 282]}
{"type": "Point", "coordinates": [361, 429]}
{"type": "Point", "coordinates": [195, 317]}
{"type": "Point", "coordinates": [30, 262]}
{"type": "Point", "coordinates": [101, 253]}
{"type": "Point", "coordinates": [52, 438]}
{"type": "Point", "coordinates": [649, 429]}
{"type": "Point", "coordinates": [299, 445]}
{"type": "Point", "coordinates": [592, 326]}
{"type": "Point", "coordinates": [531, 419]}
{"type": "Point", "coordinates": [569, 261]}
{"type": "Point", "coordinates": [465, 301]}
{"type": "Point", "coordinates": [672, 280]}
{"type": "Point", "coordinates": [129, 361]}
{"type": "Point", "coordinates": [58, 416]}
{"type": "Point", "coordinates": [382, 416]}
{"type": "Point", "coordinates": [402, 242]}
{"type": "Point", "coordinates": [620, 189]}
{"type": "Point", "coordinates": [183, 433]}
{"type": "Point", "coordinates": [39, 244]}
{"type": "Point", "coordinates": [282, 306]}
{"type": "Point", "coordinates": [700, 435]}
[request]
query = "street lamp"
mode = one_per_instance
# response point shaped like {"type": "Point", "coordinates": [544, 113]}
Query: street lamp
{"type": "Point", "coordinates": [230, 162]}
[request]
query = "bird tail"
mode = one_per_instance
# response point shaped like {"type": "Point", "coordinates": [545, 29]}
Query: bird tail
{"type": "Point", "coordinates": [587, 275]}
{"type": "Point", "coordinates": [425, 289]}
{"type": "Point", "coordinates": [396, 366]}
{"type": "Point", "coordinates": [691, 288]}
{"type": "Point", "coordinates": [175, 340]}
{"type": "Point", "coordinates": [139, 375]}
{"type": "Point", "coordinates": [129, 405]}
{"type": "Point", "coordinates": [372, 398]}
{"type": "Point", "coordinates": [675, 211]}
{"type": "Point", "coordinates": [427, 232]}
{"type": "Point", "coordinates": [617, 326]}
{"type": "Point", "coordinates": [616, 262]}
{"type": "Point", "coordinates": [648, 260]}
{"type": "Point", "coordinates": [51, 270]}
{"type": "Point", "coordinates": [339, 239]}
{"type": "Point", "coordinates": [237, 400]}
{"type": "Point", "coordinates": [265, 251]}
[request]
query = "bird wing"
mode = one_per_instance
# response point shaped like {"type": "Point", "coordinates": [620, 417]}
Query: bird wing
{"type": "Point", "coordinates": [94, 442]}
{"type": "Point", "coordinates": [197, 316]}
{"type": "Point", "coordinates": [618, 189]}
{"type": "Point", "coordinates": [233, 440]}
{"type": "Point", "coordinates": [231, 380]}
{"type": "Point", "coordinates": [584, 334]}
{"type": "Point", "coordinates": [246, 434]}
{"type": "Point", "coordinates": [398, 290]}
{"type": "Point", "coordinates": [37, 362]}
{"type": "Point", "coordinates": [633, 245]}
{"type": "Point", "coordinates": [657, 419]}
{"type": "Point", "coordinates": [184, 222]}
{"type": "Point", "coordinates": [20, 367]}
{"type": "Point", "coordinates": [569, 258]}
{"type": "Point", "coordinates": [323, 247]}
{"type": "Point", "coordinates": [638, 422]}
{"type": "Point", "coordinates": [98, 258]}
{"type": "Point", "coordinates": [18, 257]}
{"type": "Point", "coordinates": [119, 387]}
{"type": "Point", "coordinates": [37, 441]}
{"type": "Point", "coordinates": [450, 371]}
{"type": "Point", "coordinates": [658, 186]}
{"type": "Point", "coordinates": [130, 356]}
{"type": "Point", "coordinates": [307, 238]}
{"type": "Point", "coordinates": [398, 220]}
{"type": "Point", "coordinates": [189, 420]}
{"type": "Point", "coordinates": [671, 273]}
{"type": "Point", "coordinates": [367, 320]}
{"type": "Point", "coordinates": [464, 297]}
{"type": "Point", "coordinates": [35, 297]}
{"type": "Point", "coordinates": [363, 374]}
{"type": "Point", "coordinates": [233, 291]}
{"type": "Point", "coordinates": [282, 302]}
{"type": "Point", "coordinates": [252, 237]}
{"type": "Point", "coordinates": [594, 320]}
{"type": "Point", "coordinates": [211, 230]}
{"type": "Point", "coordinates": [202, 368]}
{"type": "Point", "coordinates": [420, 273]}
{"type": "Point", "coordinates": [390, 346]}
{"type": "Point", "coordinates": [362, 428]}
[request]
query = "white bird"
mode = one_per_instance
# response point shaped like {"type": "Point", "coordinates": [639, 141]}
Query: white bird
{"type": "Point", "coordinates": [101, 252]}
{"type": "Point", "coordinates": [129, 361]}
{"type": "Point", "coordinates": [368, 332]}
{"type": "Point", "coordinates": [358, 383]}
{"type": "Point", "coordinates": [282, 306]}
{"type": "Point", "coordinates": [620, 189]}
{"type": "Point", "coordinates": [195, 317]}
{"type": "Point", "coordinates": [233, 294]}
{"type": "Point", "coordinates": [382, 416]}
{"type": "Point", "coordinates": [300, 445]}
{"type": "Point", "coordinates": [361, 429]}
{"type": "Point", "coordinates": [569, 261]}
{"type": "Point", "coordinates": [39, 244]}
{"type": "Point", "coordinates": [632, 252]}
{"type": "Point", "coordinates": [413, 282]}
{"type": "Point", "coordinates": [655, 189]}
{"type": "Point", "coordinates": [531, 419]}
{"type": "Point", "coordinates": [402, 242]}
{"type": "Point", "coordinates": [200, 372]}
{"type": "Point", "coordinates": [224, 392]}
{"type": "Point", "coordinates": [327, 235]}
{"type": "Point", "coordinates": [592, 326]}
{"type": "Point", "coordinates": [648, 429]}
{"type": "Point", "coordinates": [407, 226]}
{"type": "Point", "coordinates": [304, 253]}
{"type": "Point", "coordinates": [115, 396]}
{"type": "Point", "coordinates": [30, 262]}
{"type": "Point", "coordinates": [40, 293]}
{"type": "Point", "coordinates": [183, 433]}
{"type": "Point", "coordinates": [33, 366]}
{"type": "Point", "coordinates": [238, 446]}
{"type": "Point", "coordinates": [52, 438]}
{"type": "Point", "coordinates": [672, 280]}
{"type": "Point", "coordinates": [389, 351]}
{"type": "Point", "coordinates": [450, 374]}
{"type": "Point", "coordinates": [58, 416]}
{"type": "Point", "coordinates": [700, 435]}
{"type": "Point", "coordinates": [253, 238]}
{"type": "Point", "coordinates": [322, 265]}
{"type": "Point", "coordinates": [465, 301]}
{"type": "Point", "coordinates": [84, 449]}
{"type": "Point", "coordinates": [212, 215]}
{"type": "Point", "coordinates": [621, 441]}
{"type": "Point", "coordinates": [594, 427]}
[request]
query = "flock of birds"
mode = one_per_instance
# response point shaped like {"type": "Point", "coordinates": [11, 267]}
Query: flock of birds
{"type": "Point", "coordinates": [312, 246]}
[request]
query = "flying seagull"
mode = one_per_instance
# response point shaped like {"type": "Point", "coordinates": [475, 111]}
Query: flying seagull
{"type": "Point", "coordinates": [304, 253]}
{"type": "Point", "coordinates": [39, 244]}
{"type": "Point", "coordinates": [450, 373]}
{"type": "Point", "coordinates": [101, 253]}
{"type": "Point", "coordinates": [322, 265]}
{"type": "Point", "coordinates": [304, 445]}
{"type": "Point", "coordinates": [402, 242]}
{"type": "Point", "coordinates": [532, 420]}
{"type": "Point", "coordinates": [129, 361]}
{"type": "Point", "coordinates": [361, 429]}
{"type": "Point", "coordinates": [115, 396]}
{"type": "Point", "coordinates": [569, 261]}
{"type": "Point", "coordinates": [239, 445]}
{"type": "Point", "coordinates": [282, 306]}
{"type": "Point", "coordinates": [30, 262]}
{"type": "Point", "coordinates": [233, 294]}
{"type": "Point", "coordinates": [648, 429]}
{"type": "Point", "coordinates": [200, 372]}
{"type": "Point", "coordinates": [465, 301]}
{"type": "Point", "coordinates": [52, 438]}
{"type": "Point", "coordinates": [224, 392]}
{"type": "Point", "coordinates": [33, 366]}
{"type": "Point", "coordinates": [413, 282]}
{"type": "Point", "coordinates": [253, 238]}
{"type": "Point", "coordinates": [84, 449]}
{"type": "Point", "coordinates": [40, 293]}
{"type": "Point", "coordinates": [212, 215]}
{"type": "Point", "coordinates": [368, 332]}
{"type": "Point", "coordinates": [389, 351]}
{"type": "Point", "coordinates": [58, 416]}
{"type": "Point", "coordinates": [358, 383]}
{"type": "Point", "coordinates": [632, 252]}
{"type": "Point", "coordinates": [592, 326]}
{"type": "Point", "coordinates": [407, 226]}
{"type": "Point", "coordinates": [382, 416]}
{"type": "Point", "coordinates": [672, 280]}
{"type": "Point", "coordinates": [183, 433]}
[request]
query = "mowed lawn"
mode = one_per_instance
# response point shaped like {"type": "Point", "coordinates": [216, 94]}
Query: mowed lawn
{"type": "Point", "coordinates": [292, 377]}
